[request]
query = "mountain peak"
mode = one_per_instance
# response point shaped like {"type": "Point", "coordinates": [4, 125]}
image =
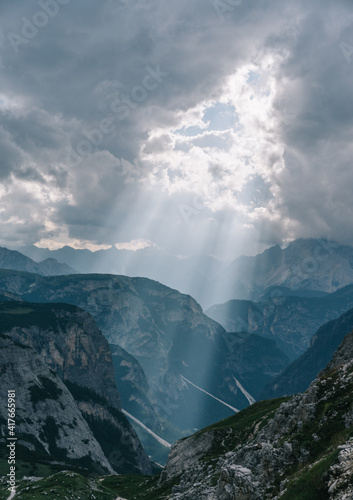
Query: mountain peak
{"type": "Point", "coordinates": [12, 259]}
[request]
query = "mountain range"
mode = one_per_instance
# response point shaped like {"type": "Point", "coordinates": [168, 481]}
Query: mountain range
{"type": "Point", "coordinates": [304, 265]}
{"type": "Point", "coordinates": [290, 319]}
{"type": "Point", "coordinates": [298, 448]}
{"type": "Point", "coordinates": [299, 374]}
{"type": "Point", "coordinates": [110, 367]}
{"type": "Point", "coordinates": [11, 259]}
{"type": "Point", "coordinates": [197, 373]}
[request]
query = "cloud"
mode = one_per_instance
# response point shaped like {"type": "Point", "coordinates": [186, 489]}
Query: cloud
{"type": "Point", "coordinates": [165, 122]}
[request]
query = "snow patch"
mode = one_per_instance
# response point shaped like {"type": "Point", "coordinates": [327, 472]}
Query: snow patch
{"type": "Point", "coordinates": [214, 397]}
{"type": "Point", "coordinates": [159, 439]}
{"type": "Point", "coordinates": [245, 392]}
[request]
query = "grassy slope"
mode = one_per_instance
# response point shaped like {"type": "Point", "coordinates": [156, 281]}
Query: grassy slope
{"type": "Point", "coordinates": [238, 428]}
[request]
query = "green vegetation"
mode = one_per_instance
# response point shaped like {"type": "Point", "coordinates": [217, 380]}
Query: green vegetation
{"type": "Point", "coordinates": [34, 463]}
{"type": "Point", "coordinates": [68, 485]}
{"type": "Point", "coordinates": [23, 315]}
{"type": "Point", "coordinates": [65, 486]}
{"type": "Point", "coordinates": [138, 487]}
{"type": "Point", "coordinates": [310, 484]}
{"type": "Point", "coordinates": [83, 393]}
{"type": "Point", "coordinates": [244, 421]}
{"type": "Point", "coordinates": [238, 428]}
{"type": "Point", "coordinates": [47, 390]}
{"type": "Point", "coordinates": [16, 310]}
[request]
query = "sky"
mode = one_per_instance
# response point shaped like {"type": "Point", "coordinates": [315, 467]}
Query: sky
{"type": "Point", "coordinates": [194, 126]}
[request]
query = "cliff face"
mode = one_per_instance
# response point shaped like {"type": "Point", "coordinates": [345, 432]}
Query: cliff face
{"type": "Point", "coordinates": [71, 345]}
{"type": "Point", "coordinates": [299, 374]}
{"type": "Point", "coordinates": [68, 340]}
{"type": "Point", "coordinates": [290, 320]}
{"type": "Point", "coordinates": [138, 400]}
{"type": "Point", "coordinates": [275, 449]}
{"type": "Point", "coordinates": [196, 373]}
{"type": "Point", "coordinates": [48, 420]}
{"type": "Point", "coordinates": [306, 264]}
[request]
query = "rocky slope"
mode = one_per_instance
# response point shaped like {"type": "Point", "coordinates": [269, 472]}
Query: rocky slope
{"type": "Point", "coordinates": [68, 340]}
{"type": "Point", "coordinates": [138, 400]}
{"type": "Point", "coordinates": [51, 267]}
{"type": "Point", "coordinates": [71, 345]}
{"type": "Point", "coordinates": [9, 297]}
{"type": "Point", "coordinates": [11, 259]}
{"type": "Point", "coordinates": [49, 423]}
{"type": "Point", "coordinates": [299, 374]}
{"type": "Point", "coordinates": [183, 352]}
{"type": "Point", "coordinates": [290, 320]}
{"type": "Point", "coordinates": [298, 448]}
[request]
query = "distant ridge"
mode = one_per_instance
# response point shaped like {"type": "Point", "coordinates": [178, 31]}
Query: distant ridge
{"type": "Point", "coordinates": [305, 266]}
{"type": "Point", "coordinates": [16, 261]}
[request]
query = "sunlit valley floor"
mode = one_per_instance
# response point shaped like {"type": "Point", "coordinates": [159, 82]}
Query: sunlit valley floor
{"type": "Point", "coordinates": [125, 375]}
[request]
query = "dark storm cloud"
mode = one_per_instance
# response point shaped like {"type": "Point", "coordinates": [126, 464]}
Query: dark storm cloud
{"type": "Point", "coordinates": [318, 101]}
{"type": "Point", "coordinates": [63, 80]}
{"type": "Point", "coordinates": [10, 159]}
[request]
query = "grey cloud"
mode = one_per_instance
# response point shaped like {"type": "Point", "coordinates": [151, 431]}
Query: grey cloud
{"type": "Point", "coordinates": [10, 159]}
{"type": "Point", "coordinates": [91, 53]}
{"type": "Point", "coordinates": [35, 130]}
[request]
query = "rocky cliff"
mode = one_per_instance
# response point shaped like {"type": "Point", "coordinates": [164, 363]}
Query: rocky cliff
{"type": "Point", "coordinates": [304, 265]}
{"type": "Point", "coordinates": [196, 372]}
{"type": "Point", "coordinates": [49, 424]}
{"type": "Point", "coordinates": [290, 320]}
{"type": "Point", "coordinates": [299, 448]}
{"type": "Point", "coordinates": [299, 374]}
{"type": "Point", "coordinates": [70, 344]}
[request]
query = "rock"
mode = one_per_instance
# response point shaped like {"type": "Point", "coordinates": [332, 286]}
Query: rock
{"type": "Point", "coordinates": [70, 344]}
{"type": "Point", "coordinates": [264, 450]}
{"type": "Point", "coordinates": [46, 413]}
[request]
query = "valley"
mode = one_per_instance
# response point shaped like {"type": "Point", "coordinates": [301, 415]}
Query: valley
{"type": "Point", "coordinates": [158, 387]}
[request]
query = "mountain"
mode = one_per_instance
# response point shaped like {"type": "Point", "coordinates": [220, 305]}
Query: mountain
{"type": "Point", "coordinates": [196, 372]}
{"type": "Point", "coordinates": [289, 319]}
{"type": "Point", "coordinates": [51, 267]}
{"type": "Point", "coordinates": [11, 259]}
{"type": "Point", "coordinates": [140, 406]}
{"type": "Point", "coordinates": [305, 265]}
{"type": "Point", "coordinates": [297, 448]}
{"type": "Point", "coordinates": [73, 348]}
{"type": "Point", "coordinates": [152, 263]}
{"type": "Point", "coordinates": [299, 374]}
{"type": "Point", "coordinates": [49, 424]}
{"type": "Point", "coordinates": [254, 359]}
